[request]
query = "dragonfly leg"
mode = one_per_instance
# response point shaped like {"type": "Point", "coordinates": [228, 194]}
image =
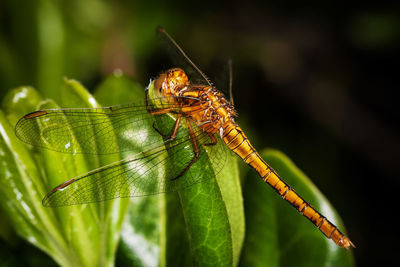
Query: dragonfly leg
{"type": "Point", "coordinates": [213, 142]}
{"type": "Point", "coordinates": [159, 111]}
{"type": "Point", "coordinates": [174, 129]}
{"type": "Point", "coordinates": [195, 148]}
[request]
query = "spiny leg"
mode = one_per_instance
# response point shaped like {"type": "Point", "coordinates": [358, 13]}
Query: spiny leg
{"type": "Point", "coordinates": [213, 142]}
{"type": "Point", "coordinates": [195, 149]}
{"type": "Point", "coordinates": [208, 128]}
{"type": "Point", "coordinates": [162, 111]}
{"type": "Point", "coordinates": [174, 129]}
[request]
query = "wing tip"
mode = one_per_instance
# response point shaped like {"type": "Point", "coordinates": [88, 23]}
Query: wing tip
{"type": "Point", "coordinates": [45, 202]}
{"type": "Point", "coordinates": [20, 126]}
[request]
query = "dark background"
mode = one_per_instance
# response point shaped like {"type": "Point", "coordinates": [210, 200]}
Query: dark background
{"type": "Point", "coordinates": [317, 81]}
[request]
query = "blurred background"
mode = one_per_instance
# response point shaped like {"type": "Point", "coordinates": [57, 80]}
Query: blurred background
{"type": "Point", "coordinates": [317, 82]}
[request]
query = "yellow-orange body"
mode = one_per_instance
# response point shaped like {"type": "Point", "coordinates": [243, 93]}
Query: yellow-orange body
{"type": "Point", "coordinates": [206, 107]}
{"type": "Point", "coordinates": [204, 110]}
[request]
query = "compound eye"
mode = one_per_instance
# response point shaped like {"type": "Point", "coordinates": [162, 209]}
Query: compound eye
{"type": "Point", "coordinates": [178, 77]}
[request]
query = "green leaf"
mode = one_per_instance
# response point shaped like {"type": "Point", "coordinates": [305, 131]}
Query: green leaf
{"type": "Point", "coordinates": [118, 89]}
{"type": "Point", "coordinates": [214, 216]}
{"type": "Point", "coordinates": [20, 101]}
{"type": "Point", "coordinates": [109, 215]}
{"type": "Point", "coordinates": [140, 241]}
{"type": "Point", "coordinates": [85, 235]}
{"type": "Point", "coordinates": [140, 236]}
{"type": "Point", "coordinates": [21, 185]}
{"type": "Point", "coordinates": [209, 209]}
{"type": "Point", "coordinates": [207, 225]}
{"type": "Point", "coordinates": [276, 235]}
{"type": "Point", "coordinates": [229, 183]}
{"type": "Point", "coordinates": [174, 238]}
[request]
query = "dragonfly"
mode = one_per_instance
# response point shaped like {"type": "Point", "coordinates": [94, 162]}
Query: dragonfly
{"type": "Point", "coordinates": [188, 117]}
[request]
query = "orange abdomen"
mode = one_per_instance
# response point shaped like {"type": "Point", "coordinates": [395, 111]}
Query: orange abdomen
{"type": "Point", "coordinates": [237, 141]}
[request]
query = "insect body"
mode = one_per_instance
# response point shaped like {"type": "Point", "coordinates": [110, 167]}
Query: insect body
{"type": "Point", "coordinates": [216, 115]}
{"type": "Point", "coordinates": [208, 120]}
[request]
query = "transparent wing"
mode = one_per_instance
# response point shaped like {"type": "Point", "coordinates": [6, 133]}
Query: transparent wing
{"type": "Point", "coordinates": [156, 170]}
{"type": "Point", "coordinates": [159, 167]}
{"type": "Point", "coordinates": [93, 130]}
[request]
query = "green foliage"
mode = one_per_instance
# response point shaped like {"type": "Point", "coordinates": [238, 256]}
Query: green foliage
{"type": "Point", "coordinates": [80, 235]}
{"type": "Point", "coordinates": [203, 225]}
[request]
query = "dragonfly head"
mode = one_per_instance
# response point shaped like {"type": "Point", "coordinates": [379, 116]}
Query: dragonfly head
{"type": "Point", "coordinates": [170, 83]}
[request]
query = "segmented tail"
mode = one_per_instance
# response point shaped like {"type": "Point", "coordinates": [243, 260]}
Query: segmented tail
{"type": "Point", "coordinates": [237, 141]}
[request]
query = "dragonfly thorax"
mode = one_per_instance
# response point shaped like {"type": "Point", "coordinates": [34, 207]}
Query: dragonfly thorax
{"type": "Point", "coordinates": [204, 105]}
{"type": "Point", "coordinates": [215, 111]}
